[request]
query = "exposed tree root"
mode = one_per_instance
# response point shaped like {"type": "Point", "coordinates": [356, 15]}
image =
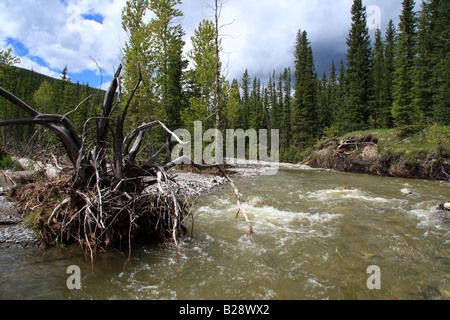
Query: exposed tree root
{"type": "Point", "coordinates": [108, 199]}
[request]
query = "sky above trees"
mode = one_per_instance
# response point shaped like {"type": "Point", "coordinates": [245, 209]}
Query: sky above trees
{"type": "Point", "coordinates": [258, 35]}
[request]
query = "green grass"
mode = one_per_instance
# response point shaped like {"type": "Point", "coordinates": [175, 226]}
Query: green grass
{"type": "Point", "coordinates": [7, 163]}
{"type": "Point", "coordinates": [431, 141]}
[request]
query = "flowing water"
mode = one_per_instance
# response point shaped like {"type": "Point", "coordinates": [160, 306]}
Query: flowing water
{"type": "Point", "coordinates": [316, 234]}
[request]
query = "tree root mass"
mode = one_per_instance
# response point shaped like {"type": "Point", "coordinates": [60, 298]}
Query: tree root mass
{"type": "Point", "coordinates": [108, 199]}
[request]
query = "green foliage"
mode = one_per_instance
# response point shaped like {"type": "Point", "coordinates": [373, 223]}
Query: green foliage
{"type": "Point", "coordinates": [44, 97]}
{"type": "Point", "coordinates": [201, 78]}
{"type": "Point", "coordinates": [401, 81]}
{"type": "Point", "coordinates": [387, 99]}
{"type": "Point", "coordinates": [44, 94]}
{"type": "Point", "coordinates": [331, 132]}
{"type": "Point", "coordinates": [7, 58]}
{"type": "Point", "coordinates": [304, 106]}
{"type": "Point", "coordinates": [359, 76]}
{"type": "Point", "coordinates": [420, 143]}
{"type": "Point", "coordinates": [404, 109]}
{"type": "Point", "coordinates": [156, 45]}
{"type": "Point", "coordinates": [5, 161]}
{"type": "Point", "coordinates": [432, 69]}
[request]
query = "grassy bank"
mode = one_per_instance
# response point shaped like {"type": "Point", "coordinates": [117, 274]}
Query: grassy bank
{"type": "Point", "coordinates": [421, 154]}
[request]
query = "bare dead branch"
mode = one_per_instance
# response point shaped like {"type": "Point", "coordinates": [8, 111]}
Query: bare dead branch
{"type": "Point", "coordinates": [107, 203]}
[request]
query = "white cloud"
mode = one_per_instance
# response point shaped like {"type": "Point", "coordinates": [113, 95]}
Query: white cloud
{"type": "Point", "coordinates": [58, 34]}
{"type": "Point", "coordinates": [260, 39]}
{"type": "Point", "coordinates": [29, 64]}
{"type": "Point", "coordinates": [263, 33]}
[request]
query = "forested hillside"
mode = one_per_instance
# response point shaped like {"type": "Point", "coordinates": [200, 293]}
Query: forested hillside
{"type": "Point", "coordinates": [399, 79]}
{"type": "Point", "coordinates": [46, 94]}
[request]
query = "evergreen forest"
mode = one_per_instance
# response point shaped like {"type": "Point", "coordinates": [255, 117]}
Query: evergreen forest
{"type": "Point", "coordinates": [399, 80]}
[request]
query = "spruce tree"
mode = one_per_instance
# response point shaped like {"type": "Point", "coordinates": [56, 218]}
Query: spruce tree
{"type": "Point", "coordinates": [359, 82]}
{"type": "Point", "coordinates": [43, 98]}
{"type": "Point", "coordinates": [405, 110]}
{"type": "Point", "coordinates": [378, 74]}
{"type": "Point", "coordinates": [138, 50]}
{"type": "Point", "coordinates": [341, 98]}
{"type": "Point", "coordinates": [273, 102]}
{"type": "Point", "coordinates": [157, 46]}
{"type": "Point", "coordinates": [256, 111]}
{"type": "Point", "coordinates": [202, 75]}
{"type": "Point", "coordinates": [286, 134]}
{"type": "Point", "coordinates": [233, 106]}
{"type": "Point", "coordinates": [388, 74]}
{"type": "Point", "coordinates": [324, 116]}
{"type": "Point", "coordinates": [304, 105]}
{"type": "Point", "coordinates": [333, 102]}
{"type": "Point", "coordinates": [167, 44]}
{"type": "Point", "coordinates": [432, 71]}
{"type": "Point", "coordinates": [424, 63]}
{"type": "Point", "coordinates": [245, 85]}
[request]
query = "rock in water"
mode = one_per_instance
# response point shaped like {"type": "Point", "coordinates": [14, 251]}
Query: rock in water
{"type": "Point", "coordinates": [406, 191]}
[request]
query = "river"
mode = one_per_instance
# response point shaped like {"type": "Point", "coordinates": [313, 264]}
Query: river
{"type": "Point", "coordinates": [316, 234]}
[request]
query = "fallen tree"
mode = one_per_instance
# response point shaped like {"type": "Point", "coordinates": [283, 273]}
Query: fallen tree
{"type": "Point", "coordinates": [104, 203]}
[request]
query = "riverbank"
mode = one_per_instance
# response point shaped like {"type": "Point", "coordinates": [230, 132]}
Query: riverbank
{"type": "Point", "coordinates": [424, 155]}
{"type": "Point", "coordinates": [15, 233]}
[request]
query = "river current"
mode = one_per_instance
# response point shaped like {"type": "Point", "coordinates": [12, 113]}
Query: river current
{"type": "Point", "coordinates": [317, 234]}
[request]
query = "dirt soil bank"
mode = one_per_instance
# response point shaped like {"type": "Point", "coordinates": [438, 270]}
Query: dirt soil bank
{"type": "Point", "coordinates": [360, 153]}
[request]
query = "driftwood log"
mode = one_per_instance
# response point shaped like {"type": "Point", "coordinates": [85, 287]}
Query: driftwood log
{"type": "Point", "coordinates": [106, 205]}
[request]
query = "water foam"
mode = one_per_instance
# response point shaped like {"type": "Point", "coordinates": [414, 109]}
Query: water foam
{"type": "Point", "coordinates": [343, 193]}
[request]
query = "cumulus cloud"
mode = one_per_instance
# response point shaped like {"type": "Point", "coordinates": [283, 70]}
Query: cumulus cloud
{"type": "Point", "coordinates": [259, 35]}
{"type": "Point", "coordinates": [262, 33]}
{"type": "Point", "coordinates": [61, 33]}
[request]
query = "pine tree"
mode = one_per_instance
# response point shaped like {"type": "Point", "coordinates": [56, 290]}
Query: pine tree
{"type": "Point", "coordinates": [304, 108]}
{"type": "Point", "coordinates": [378, 74]}
{"type": "Point", "coordinates": [256, 111]}
{"type": "Point", "coordinates": [341, 97]}
{"type": "Point", "coordinates": [324, 115]}
{"type": "Point", "coordinates": [441, 72]}
{"type": "Point", "coordinates": [157, 46]}
{"type": "Point", "coordinates": [63, 94]}
{"type": "Point", "coordinates": [202, 75]}
{"type": "Point", "coordinates": [167, 45]}
{"type": "Point", "coordinates": [233, 106]}
{"type": "Point", "coordinates": [405, 110]}
{"type": "Point", "coordinates": [44, 98]}
{"type": "Point", "coordinates": [432, 62]}
{"type": "Point", "coordinates": [424, 63]}
{"type": "Point", "coordinates": [359, 82]}
{"type": "Point", "coordinates": [245, 85]}
{"type": "Point", "coordinates": [7, 58]}
{"type": "Point", "coordinates": [273, 102]}
{"type": "Point", "coordinates": [176, 101]}
{"type": "Point", "coordinates": [333, 103]}
{"type": "Point", "coordinates": [286, 132]}
{"type": "Point", "coordinates": [138, 50]}
{"type": "Point", "coordinates": [279, 101]}
{"type": "Point", "coordinates": [388, 74]}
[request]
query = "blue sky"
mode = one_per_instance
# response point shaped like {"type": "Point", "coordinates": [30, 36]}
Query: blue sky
{"type": "Point", "coordinates": [48, 35]}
